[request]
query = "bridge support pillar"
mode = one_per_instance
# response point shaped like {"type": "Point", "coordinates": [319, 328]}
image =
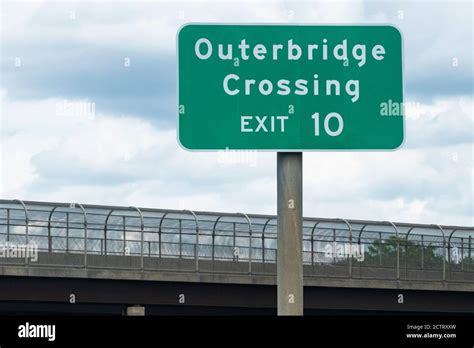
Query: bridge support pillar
{"type": "Point", "coordinates": [135, 311]}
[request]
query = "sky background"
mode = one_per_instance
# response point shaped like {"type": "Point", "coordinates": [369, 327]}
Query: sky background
{"type": "Point", "coordinates": [121, 57]}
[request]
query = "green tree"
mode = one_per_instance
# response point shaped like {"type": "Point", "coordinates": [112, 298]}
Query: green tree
{"type": "Point", "coordinates": [384, 253]}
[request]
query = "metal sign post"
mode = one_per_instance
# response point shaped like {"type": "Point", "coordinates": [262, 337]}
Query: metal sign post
{"type": "Point", "coordinates": [290, 233]}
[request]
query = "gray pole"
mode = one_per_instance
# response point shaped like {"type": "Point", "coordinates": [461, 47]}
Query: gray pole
{"type": "Point", "coordinates": [290, 233]}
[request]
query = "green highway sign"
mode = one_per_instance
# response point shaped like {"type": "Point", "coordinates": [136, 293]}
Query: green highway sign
{"type": "Point", "coordinates": [290, 87]}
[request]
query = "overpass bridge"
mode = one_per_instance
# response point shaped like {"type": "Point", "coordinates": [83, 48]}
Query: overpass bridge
{"type": "Point", "coordinates": [82, 258]}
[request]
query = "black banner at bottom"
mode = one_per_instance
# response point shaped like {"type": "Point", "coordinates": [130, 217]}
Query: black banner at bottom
{"type": "Point", "coordinates": [224, 330]}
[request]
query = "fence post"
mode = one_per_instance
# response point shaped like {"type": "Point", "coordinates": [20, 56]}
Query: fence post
{"type": "Point", "coordinates": [124, 236]}
{"type": "Point", "coordinates": [406, 250]}
{"type": "Point", "coordinates": [180, 225]}
{"type": "Point", "coordinates": [422, 253]}
{"type": "Point", "coordinates": [233, 243]}
{"type": "Point", "coordinates": [469, 251]}
{"type": "Point", "coordinates": [196, 250]}
{"type": "Point", "coordinates": [380, 249]}
{"type": "Point", "coordinates": [67, 232]}
{"type": "Point", "coordinates": [213, 239]}
{"type": "Point", "coordinates": [250, 241]}
{"type": "Point", "coordinates": [27, 221]}
{"type": "Point", "coordinates": [350, 244]}
{"type": "Point", "coordinates": [312, 242]}
{"type": "Point", "coordinates": [8, 224]}
{"type": "Point", "coordinates": [444, 249]}
{"type": "Point", "coordinates": [142, 236]}
{"type": "Point", "coordinates": [159, 234]}
{"type": "Point", "coordinates": [263, 239]}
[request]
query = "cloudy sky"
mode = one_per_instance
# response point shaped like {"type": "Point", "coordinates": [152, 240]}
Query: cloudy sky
{"type": "Point", "coordinates": [88, 113]}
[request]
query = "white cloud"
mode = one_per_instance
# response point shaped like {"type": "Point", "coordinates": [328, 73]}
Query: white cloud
{"type": "Point", "coordinates": [444, 121]}
{"type": "Point", "coordinates": [148, 26]}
